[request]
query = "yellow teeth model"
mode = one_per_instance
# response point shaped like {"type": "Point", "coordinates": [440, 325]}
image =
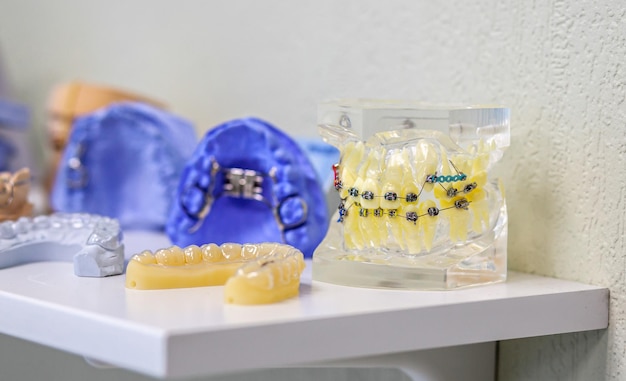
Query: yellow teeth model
{"type": "Point", "coordinates": [251, 273]}
{"type": "Point", "coordinates": [405, 195]}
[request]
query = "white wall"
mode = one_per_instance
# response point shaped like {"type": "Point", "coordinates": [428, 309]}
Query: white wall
{"type": "Point", "coordinates": [560, 66]}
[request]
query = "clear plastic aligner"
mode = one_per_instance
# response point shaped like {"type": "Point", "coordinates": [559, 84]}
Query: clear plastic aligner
{"type": "Point", "coordinates": [418, 209]}
{"type": "Point", "coordinates": [94, 243]}
{"type": "Point", "coordinates": [251, 273]}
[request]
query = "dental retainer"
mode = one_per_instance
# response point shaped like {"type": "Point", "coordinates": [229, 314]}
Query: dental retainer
{"type": "Point", "coordinates": [417, 208]}
{"type": "Point", "coordinates": [248, 182]}
{"type": "Point", "coordinates": [250, 273]}
{"type": "Point", "coordinates": [93, 243]}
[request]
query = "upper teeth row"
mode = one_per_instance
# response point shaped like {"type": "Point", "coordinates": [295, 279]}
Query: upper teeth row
{"type": "Point", "coordinates": [410, 197]}
{"type": "Point", "coordinates": [265, 265]}
{"type": "Point", "coordinates": [212, 253]}
{"type": "Point", "coordinates": [67, 229]}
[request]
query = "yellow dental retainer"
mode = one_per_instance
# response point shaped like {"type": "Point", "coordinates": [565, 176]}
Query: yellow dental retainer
{"type": "Point", "coordinates": [251, 273]}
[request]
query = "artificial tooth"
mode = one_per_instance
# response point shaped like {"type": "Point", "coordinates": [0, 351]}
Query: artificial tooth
{"type": "Point", "coordinates": [23, 225]}
{"type": "Point", "coordinates": [270, 280]}
{"type": "Point", "coordinates": [41, 222]}
{"type": "Point", "coordinates": [410, 193]}
{"type": "Point", "coordinates": [231, 251]}
{"type": "Point", "coordinates": [445, 163]}
{"type": "Point", "coordinates": [355, 191]}
{"type": "Point", "coordinates": [6, 230]}
{"type": "Point", "coordinates": [370, 189]}
{"type": "Point", "coordinates": [145, 257]}
{"type": "Point", "coordinates": [369, 196]}
{"type": "Point", "coordinates": [379, 226]}
{"type": "Point", "coordinates": [394, 222]}
{"type": "Point", "coordinates": [480, 211]}
{"type": "Point", "coordinates": [347, 181]}
{"type": "Point", "coordinates": [428, 222]}
{"type": "Point", "coordinates": [212, 253]}
{"type": "Point", "coordinates": [425, 163]}
{"type": "Point", "coordinates": [174, 256]}
{"type": "Point", "coordinates": [178, 255]}
{"type": "Point", "coordinates": [193, 255]}
{"type": "Point", "coordinates": [459, 223]}
{"type": "Point", "coordinates": [410, 230]}
{"type": "Point", "coordinates": [352, 156]}
{"type": "Point", "coordinates": [250, 251]}
{"type": "Point", "coordinates": [351, 229]}
{"type": "Point", "coordinates": [357, 188]}
{"type": "Point", "coordinates": [392, 181]}
{"type": "Point", "coordinates": [410, 187]}
{"type": "Point", "coordinates": [264, 249]}
{"type": "Point", "coordinates": [255, 277]}
{"type": "Point", "coordinates": [463, 164]}
{"type": "Point", "coordinates": [481, 161]}
{"type": "Point", "coordinates": [372, 228]}
{"type": "Point", "coordinates": [480, 178]}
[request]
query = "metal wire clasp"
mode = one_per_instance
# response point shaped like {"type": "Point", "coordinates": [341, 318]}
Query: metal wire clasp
{"type": "Point", "coordinates": [248, 184]}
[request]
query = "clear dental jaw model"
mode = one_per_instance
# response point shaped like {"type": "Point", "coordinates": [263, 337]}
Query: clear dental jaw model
{"type": "Point", "coordinates": [417, 207]}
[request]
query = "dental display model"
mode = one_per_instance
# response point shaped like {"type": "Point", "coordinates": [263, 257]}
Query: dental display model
{"type": "Point", "coordinates": [248, 182]}
{"type": "Point", "coordinates": [252, 274]}
{"type": "Point", "coordinates": [14, 189]}
{"type": "Point", "coordinates": [92, 242]}
{"type": "Point", "coordinates": [418, 209]}
{"type": "Point", "coordinates": [71, 100]}
{"type": "Point", "coordinates": [124, 161]}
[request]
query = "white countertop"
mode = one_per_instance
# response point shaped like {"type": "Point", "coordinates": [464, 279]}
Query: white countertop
{"type": "Point", "coordinates": [187, 332]}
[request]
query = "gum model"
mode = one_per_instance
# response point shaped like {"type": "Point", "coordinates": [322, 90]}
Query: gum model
{"type": "Point", "coordinates": [418, 209]}
{"type": "Point", "coordinates": [14, 189]}
{"type": "Point", "coordinates": [248, 182]}
{"type": "Point", "coordinates": [252, 274]}
{"type": "Point", "coordinates": [92, 242]}
{"type": "Point", "coordinates": [111, 156]}
{"type": "Point", "coordinates": [71, 100]}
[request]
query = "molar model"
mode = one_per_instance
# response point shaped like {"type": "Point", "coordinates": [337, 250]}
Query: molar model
{"type": "Point", "coordinates": [417, 208]}
{"type": "Point", "coordinates": [14, 189]}
{"type": "Point", "coordinates": [252, 273]}
{"type": "Point", "coordinates": [92, 242]}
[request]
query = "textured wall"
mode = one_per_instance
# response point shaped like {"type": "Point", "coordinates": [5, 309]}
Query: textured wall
{"type": "Point", "coordinates": [559, 65]}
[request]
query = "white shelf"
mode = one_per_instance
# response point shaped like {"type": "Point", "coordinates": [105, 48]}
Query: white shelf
{"type": "Point", "coordinates": [190, 332]}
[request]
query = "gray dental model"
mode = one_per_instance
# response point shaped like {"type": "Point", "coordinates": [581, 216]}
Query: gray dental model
{"type": "Point", "coordinates": [92, 242]}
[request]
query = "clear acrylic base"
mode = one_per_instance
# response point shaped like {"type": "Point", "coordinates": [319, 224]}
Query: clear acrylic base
{"type": "Point", "coordinates": [481, 260]}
